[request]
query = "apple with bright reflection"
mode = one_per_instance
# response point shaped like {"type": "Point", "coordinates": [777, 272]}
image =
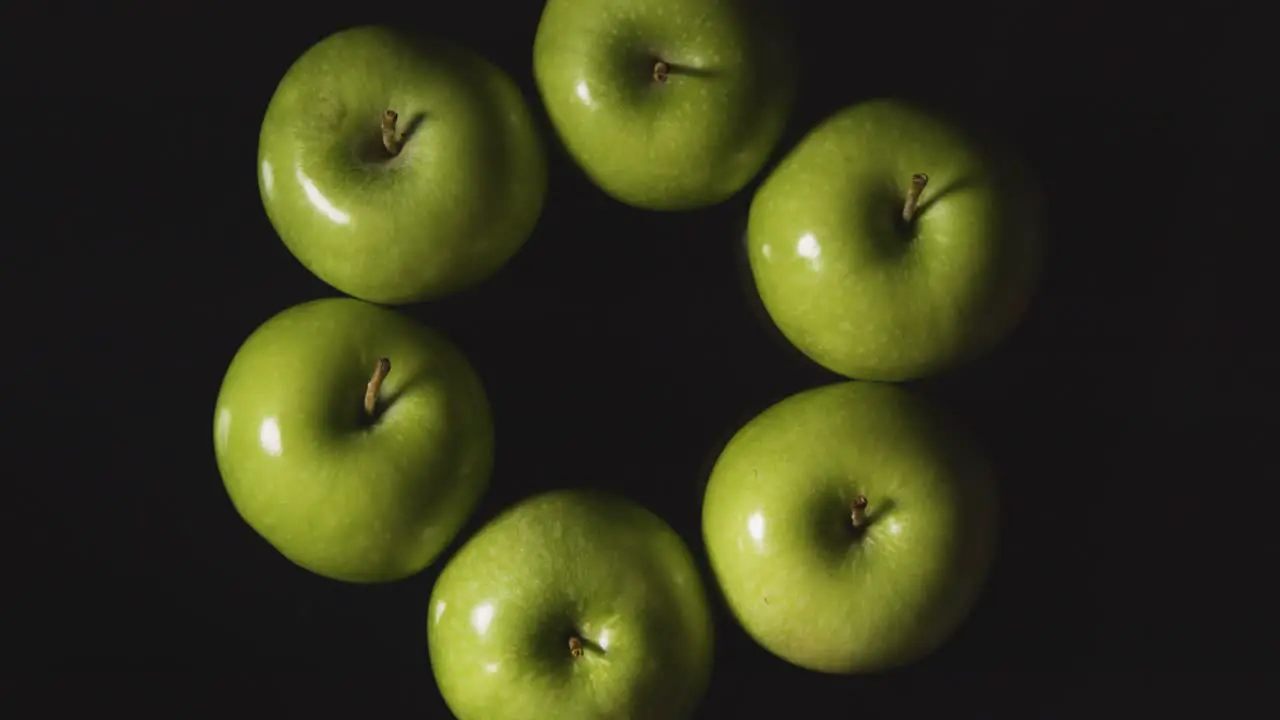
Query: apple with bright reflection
{"type": "Point", "coordinates": [353, 439]}
{"type": "Point", "coordinates": [890, 244]}
{"type": "Point", "coordinates": [666, 104]}
{"type": "Point", "coordinates": [850, 527]}
{"type": "Point", "coordinates": [571, 604]}
{"type": "Point", "coordinates": [399, 168]}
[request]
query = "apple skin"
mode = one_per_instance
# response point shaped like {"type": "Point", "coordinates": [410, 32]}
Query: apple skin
{"type": "Point", "coordinates": [689, 142]}
{"type": "Point", "coordinates": [563, 563]}
{"type": "Point", "coordinates": [868, 296]}
{"type": "Point", "coordinates": [344, 496]}
{"type": "Point", "coordinates": [778, 530]}
{"type": "Point", "coordinates": [456, 203]}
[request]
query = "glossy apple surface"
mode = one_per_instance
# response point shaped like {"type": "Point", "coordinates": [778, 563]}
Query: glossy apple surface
{"type": "Point", "coordinates": [869, 295]}
{"type": "Point", "coordinates": [571, 604]}
{"type": "Point", "coordinates": [836, 589]}
{"type": "Point", "coordinates": [687, 134]}
{"type": "Point", "coordinates": [346, 493]}
{"type": "Point", "coordinates": [458, 198]}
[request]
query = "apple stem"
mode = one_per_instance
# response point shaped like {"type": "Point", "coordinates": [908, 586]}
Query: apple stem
{"type": "Point", "coordinates": [859, 513]}
{"type": "Point", "coordinates": [375, 384]}
{"type": "Point", "coordinates": [575, 647]}
{"type": "Point", "coordinates": [661, 71]}
{"type": "Point", "coordinates": [390, 140]}
{"type": "Point", "coordinates": [918, 181]}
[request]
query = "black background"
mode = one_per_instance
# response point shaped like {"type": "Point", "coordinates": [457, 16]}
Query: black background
{"type": "Point", "coordinates": [621, 348]}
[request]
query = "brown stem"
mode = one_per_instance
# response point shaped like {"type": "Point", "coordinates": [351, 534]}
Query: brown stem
{"type": "Point", "coordinates": [375, 383]}
{"type": "Point", "coordinates": [390, 139]}
{"type": "Point", "coordinates": [858, 515]}
{"type": "Point", "coordinates": [575, 647]}
{"type": "Point", "coordinates": [918, 181]}
{"type": "Point", "coordinates": [661, 71]}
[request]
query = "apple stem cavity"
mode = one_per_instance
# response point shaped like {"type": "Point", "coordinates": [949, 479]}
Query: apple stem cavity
{"type": "Point", "coordinates": [391, 140]}
{"type": "Point", "coordinates": [661, 71]}
{"type": "Point", "coordinates": [375, 384]}
{"type": "Point", "coordinates": [575, 647]}
{"type": "Point", "coordinates": [918, 181]}
{"type": "Point", "coordinates": [858, 515]}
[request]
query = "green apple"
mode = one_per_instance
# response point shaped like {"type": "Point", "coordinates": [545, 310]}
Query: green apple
{"type": "Point", "coordinates": [397, 168]}
{"type": "Point", "coordinates": [850, 527]}
{"type": "Point", "coordinates": [890, 245]}
{"type": "Point", "coordinates": [665, 104]}
{"type": "Point", "coordinates": [354, 440]}
{"type": "Point", "coordinates": [573, 605]}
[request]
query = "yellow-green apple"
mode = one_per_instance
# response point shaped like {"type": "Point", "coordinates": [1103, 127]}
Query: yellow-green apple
{"type": "Point", "coordinates": [666, 104]}
{"type": "Point", "coordinates": [890, 244]}
{"type": "Point", "coordinates": [850, 527]}
{"type": "Point", "coordinates": [353, 439]}
{"type": "Point", "coordinates": [571, 604]}
{"type": "Point", "coordinates": [399, 168]}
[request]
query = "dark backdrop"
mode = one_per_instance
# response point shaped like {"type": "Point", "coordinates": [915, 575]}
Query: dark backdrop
{"type": "Point", "coordinates": [621, 348]}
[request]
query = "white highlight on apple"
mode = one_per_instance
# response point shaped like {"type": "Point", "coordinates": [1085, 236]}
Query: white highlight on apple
{"type": "Point", "coordinates": [584, 93]}
{"type": "Point", "coordinates": [269, 437]}
{"type": "Point", "coordinates": [481, 616]}
{"type": "Point", "coordinates": [319, 201]}
{"type": "Point", "coordinates": [755, 527]}
{"type": "Point", "coordinates": [440, 606]}
{"type": "Point", "coordinates": [603, 641]}
{"type": "Point", "coordinates": [809, 249]}
{"type": "Point", "coordinates": [268, 177]}
{"type": "Point", "coordinates": [224, 426]}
